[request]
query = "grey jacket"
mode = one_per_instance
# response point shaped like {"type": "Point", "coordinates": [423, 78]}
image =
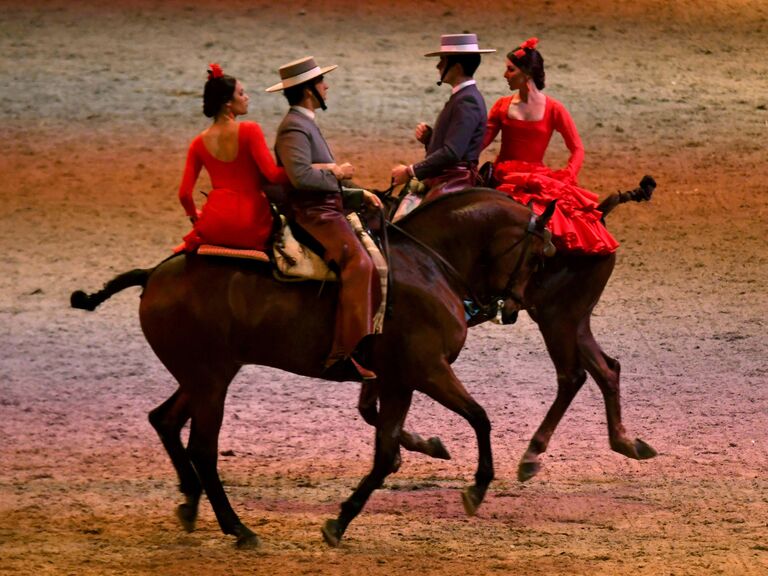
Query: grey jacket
{"type": "Point", "coordinates": [457, 135]}
{"type": "Point", "coordinates": [298, 145]}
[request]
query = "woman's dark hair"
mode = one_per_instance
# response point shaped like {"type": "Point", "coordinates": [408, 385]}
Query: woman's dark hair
{"type": "Point", "coordinates": [217, 92]}
{"type": "Point", "coordinates": [532, 63]}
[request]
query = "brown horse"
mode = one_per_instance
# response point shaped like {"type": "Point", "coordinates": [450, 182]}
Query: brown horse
{"type": "Point", "coordinates": [205, 318]}
{"type": "Point", "coordinates": [560, 298]}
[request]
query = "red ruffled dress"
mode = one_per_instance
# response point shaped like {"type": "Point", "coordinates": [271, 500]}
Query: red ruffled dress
{"type": "Point", "coordinates": [575, 225]}
{"type": "Point", "coordinates": [236, 213]}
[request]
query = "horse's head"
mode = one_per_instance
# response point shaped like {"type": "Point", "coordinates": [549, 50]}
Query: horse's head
{"type": "Point", "coordinates": [486, 242]}
{"type": "Point", "coordinates": [516, 253]}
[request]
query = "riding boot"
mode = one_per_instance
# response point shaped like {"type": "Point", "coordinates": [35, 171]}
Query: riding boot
{"type": "Point", "coordinates": [358, 293]}
{"type": "Point", "coordinates": [365, 374]}
{"type": "Point", "coordinates": [346, 368]}
{"type": "Point", "coordinates": [359, 285]}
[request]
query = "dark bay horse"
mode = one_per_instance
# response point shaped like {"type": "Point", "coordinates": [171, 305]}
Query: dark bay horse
{"type": "Point", "coordinates": [560, 298]}
{"type": "Point", "coordinates": [205, 318]}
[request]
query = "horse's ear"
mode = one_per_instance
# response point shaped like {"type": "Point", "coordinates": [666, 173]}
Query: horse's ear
{"type": "Point", "coordinates": [541, 221]}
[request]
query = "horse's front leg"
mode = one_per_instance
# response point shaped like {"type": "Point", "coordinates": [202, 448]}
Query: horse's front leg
{"type": "Point", "coordinates": [432, 447]}
{"type": "Point", "coordinates": [443, 386]}
{"type": "Point", "coordinates": [367, 407]}
{"type": "Point", "coordinates": [394, 406]}
{"type": "Point", "coordinates": [606, 372]}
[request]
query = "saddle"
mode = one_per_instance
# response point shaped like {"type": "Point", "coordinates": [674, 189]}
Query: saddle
{"type": "Point", "coordinates": [295, 261]}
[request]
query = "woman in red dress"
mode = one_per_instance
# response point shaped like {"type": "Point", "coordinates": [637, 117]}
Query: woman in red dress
{"type": "Point", "coordinates": [527, 120]}
{"type": "Point", "coordinates": [235, 155]}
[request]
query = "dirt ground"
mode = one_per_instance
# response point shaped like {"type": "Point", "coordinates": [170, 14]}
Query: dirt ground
{"type": "Point", "coordinates": [97, 106]}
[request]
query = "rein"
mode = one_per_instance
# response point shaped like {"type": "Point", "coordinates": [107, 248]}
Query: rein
{"type": "Point", "coordinates": [475, 307]}
{"type": "Point", "coordinates": [390, 210]}
{"type": "Point", "coordinates": [388, 191]}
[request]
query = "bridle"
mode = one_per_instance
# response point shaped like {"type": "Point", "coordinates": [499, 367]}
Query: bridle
{"type": "Point", "coordinates": [477, 311]}
{"type": "Point", "coordinates": [531, 230]}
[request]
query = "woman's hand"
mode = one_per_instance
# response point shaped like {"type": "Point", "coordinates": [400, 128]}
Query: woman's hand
{"type": "Point", "coordinates": [564, 175]}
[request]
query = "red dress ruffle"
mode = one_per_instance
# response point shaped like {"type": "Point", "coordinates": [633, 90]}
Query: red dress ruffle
{"type": "Point", "coordinates": [575, 224]}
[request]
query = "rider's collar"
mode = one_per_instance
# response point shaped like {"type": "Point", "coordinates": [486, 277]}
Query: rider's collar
{"type": "Point", "coordinates": [463, 85]}
{"type": "Point", "coordinates": [306, 111]}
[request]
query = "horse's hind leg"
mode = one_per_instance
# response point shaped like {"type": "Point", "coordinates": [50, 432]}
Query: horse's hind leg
{"type": "Point", "coordinates": [394, 406]}
{"type": "Point", "coordinates": [560, 338]}
{"type": "Point", "coordinates": [207, 408]}
{"type": "Point", "coordinates": [168, 420]}
{"type": "Point", "coordinates": [444, 387]}
{"type": "Point", "coordinates": [606, 372]}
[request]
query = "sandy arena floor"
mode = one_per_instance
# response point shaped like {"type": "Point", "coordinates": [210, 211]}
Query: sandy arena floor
{"type": "Point", "coordinates": [97, 106]}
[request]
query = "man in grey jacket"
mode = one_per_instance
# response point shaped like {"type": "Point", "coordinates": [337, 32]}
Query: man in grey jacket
{"type": "Point", "coordinates": [317, 200]}
{"type": "Point", "coordinates": [454, 145]}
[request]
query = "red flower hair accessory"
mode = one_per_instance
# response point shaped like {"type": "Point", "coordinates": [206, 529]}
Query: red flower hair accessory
{"type": "Point", "coordinates": [214, 71]}
{"type": "Point", "coordinates": [529, 44]}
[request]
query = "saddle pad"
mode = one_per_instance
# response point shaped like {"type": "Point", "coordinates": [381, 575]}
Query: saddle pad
{"type": "Point", "coordinates": [211, 250]}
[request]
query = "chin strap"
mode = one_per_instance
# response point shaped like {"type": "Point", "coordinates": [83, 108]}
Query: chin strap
{"type": "Point", "coordinates": [448, 66]}
{"type": "Point", "coordinates": [319, 98]}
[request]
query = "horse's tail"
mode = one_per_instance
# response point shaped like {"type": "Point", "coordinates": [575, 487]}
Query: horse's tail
{"type": "Point", "coordinates": [642, 193]}
{"type": "Point", "coordinates": [137, 277]}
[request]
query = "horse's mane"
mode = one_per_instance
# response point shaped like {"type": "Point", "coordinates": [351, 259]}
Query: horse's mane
{"type": "Point", "coordinates": [452, 197]}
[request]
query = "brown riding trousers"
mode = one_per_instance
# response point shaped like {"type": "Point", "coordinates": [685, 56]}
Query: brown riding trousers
{"type": "Point", "coordinates": [451, 180]}
{"type": "Point", "coordinates": [321, 215]}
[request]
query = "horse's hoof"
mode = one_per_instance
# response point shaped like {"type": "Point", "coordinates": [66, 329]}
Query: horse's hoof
{"type": "Point", "coordinates": [527, 470]}
{"type": "Point", "coordinates": [648, 185]}
{"type": "Point", "coordinates": [187, 515]}
{"type": "Point", "coordinates": [247, 541]}
{"type": "Point", "coordinates": [471, 498]}
{"type": "Point", "coordinates": [332, 533]}
{"type": "Point", "coordinates": [437, 449]}
{"type": "Point", "coordinates": [644, 451]}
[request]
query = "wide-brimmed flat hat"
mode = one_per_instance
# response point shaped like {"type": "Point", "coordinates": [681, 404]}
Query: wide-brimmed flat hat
{"type": "Point", "coordinates": [299, 71]}
{"type": "Point", "coordinates": [458, 44]}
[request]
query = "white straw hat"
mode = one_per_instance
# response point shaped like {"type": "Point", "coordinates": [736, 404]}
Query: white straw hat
{"type": "Point", "coordinates": [299, 71]}
{"type": "Point", "coordinates": [457, 44]}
